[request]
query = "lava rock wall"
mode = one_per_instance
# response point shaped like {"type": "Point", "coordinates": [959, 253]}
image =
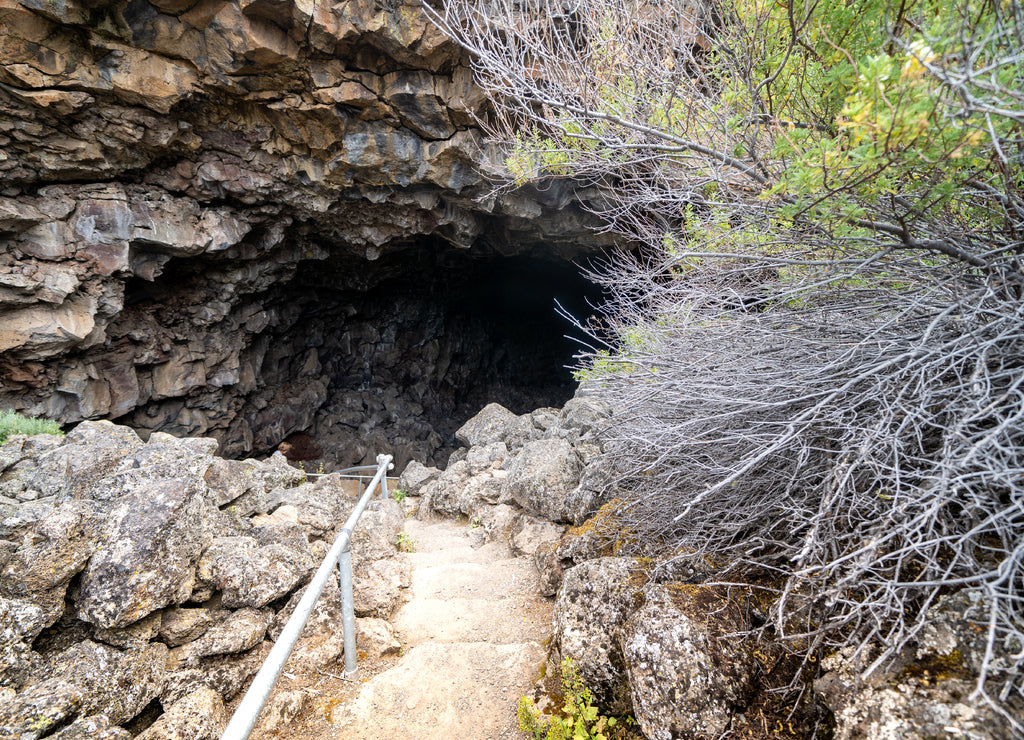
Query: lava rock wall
{"type": "Point", "coordinates": [165, 166]}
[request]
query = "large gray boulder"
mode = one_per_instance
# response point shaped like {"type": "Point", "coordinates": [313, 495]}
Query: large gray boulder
{"type": "Point", "coordinates": [57, 548]}
{"type": "Point", "coordinates": [162, 458]}
{"type": "Point", "coordinates": [40, 709]}
{"type": "Point", "coordinates": [116, 683]}
{"type": "Point", "coordinates": [198, 716]}
{"type": "Point", "coordinates": [593, 604]}
{"type": "Point", "coordinates": [541, 477]}
{"type": "Point", "coordinates": [225, 674]}
{"type": "Point", "coordinates": [247, 573]}
{"type": "Point", "coordinates": [493, 424]}
{"type": "Point", "coordinates": [415, 477]}
{"type": "Point", "coordinates": [687, 677]}
{"type": "Point", "coordinates": [233, 632]}
{"type": "Point", "coordinates": [147, 557]}
{"type": "Point", "coordinates": [19, 623]}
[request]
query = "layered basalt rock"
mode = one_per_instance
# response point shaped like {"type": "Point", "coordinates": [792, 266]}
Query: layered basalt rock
{"type": "Point", "coordinates": [170, 167]}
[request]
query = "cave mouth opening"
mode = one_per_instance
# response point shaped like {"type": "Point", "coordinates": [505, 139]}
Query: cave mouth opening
{"type": "Point", "coordinates": [398, 353]}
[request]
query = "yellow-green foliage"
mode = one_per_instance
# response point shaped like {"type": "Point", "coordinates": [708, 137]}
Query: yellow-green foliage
{"type": "Point", "coordinates": [581, 720]}
{"type": "Point", "coordinates": [12, 422]}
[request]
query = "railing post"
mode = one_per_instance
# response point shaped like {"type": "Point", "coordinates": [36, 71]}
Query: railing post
{"type": "Point", "coordinates": [348, 614]}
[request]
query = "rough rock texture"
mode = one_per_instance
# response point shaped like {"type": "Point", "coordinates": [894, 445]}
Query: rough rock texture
{"type": "Point", "coordinates": [685, 676]}
{"type": "Point", "coordinates": [886, 707]}
{"type": "Point", "coordinates": [594, 602]}
{"type": "Point", "coordinates": [198, 716]}
{"type": "Point", "coordinates": [185, 188]}
{"type": "Point", "coordinates": [542, 476]}
{"type": "Point", "coordinates": [155, 535]}
{"type": "Point", "coordinates": [127, 585]}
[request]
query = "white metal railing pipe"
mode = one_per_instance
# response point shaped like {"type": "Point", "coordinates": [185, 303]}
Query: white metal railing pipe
{"type": "Point", "coordinates": [248, 711]}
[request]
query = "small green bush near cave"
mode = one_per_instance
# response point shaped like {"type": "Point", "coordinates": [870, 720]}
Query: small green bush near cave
{"type": "Point", "coordinates": [581, 721]}
{"type": "Point", "coordinates": [11, 422]}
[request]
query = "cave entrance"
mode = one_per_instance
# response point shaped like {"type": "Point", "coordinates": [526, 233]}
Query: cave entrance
{"type": "Point", "coordinates": [400, 352]}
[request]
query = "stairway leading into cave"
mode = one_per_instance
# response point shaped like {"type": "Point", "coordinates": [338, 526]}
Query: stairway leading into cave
{"type": "Point", "coordinates": [473, 637]}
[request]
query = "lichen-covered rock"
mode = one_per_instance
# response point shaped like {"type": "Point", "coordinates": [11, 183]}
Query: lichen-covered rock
{"type": "Point", "coordinates": [91, 451]}
{"type": "Point", "coordinates": [492, 424]}
{"type": "Point", "coordinates": [162, 458]}
{"type": "Point", "coordinates": [376, 536]}
{"type": "Point", "coordinates": [587, 416]}
{"type": "Point", "coordinates": [225, 674]}
{"type": "Point", "coordinates": [235, 632]}
{"type": "Point", "coordinates": [133, 635]}
{"type": "Point", "coordinates": [376, 637]}
{"type": "Point", "coordinates": [541, 477]}
{"type": "Point", "coordinates": [530, 533]}
{"type": "Point", "coordinates": [891, 707]}
{"type": "Point", "coordinates": [486, 457]}
{"type": "Point", "coordinates": [378, 585]}
{"type": "Point", "coordinates": [593, 604]}
{"type": "Point", "coordinates": [179, 625]}
{"type": "Point", "coordinates": [39, 709]}
{"type": "Point", "coordinates": [415, 476]}
{"type": "Point", "coordinates": [592, 492]}
{"type": "Point", "coordinates": [198, 716]}
{"type": "Point", "coordinates": [248, 574]}
{"type": "Point", "coordinates": [687, 674]}
{"type": "Point", "coordinates": [147, 556]}
{"type": "Point", "coordinates": [57, 548]}
{"type": "Point", "coordinates": [19, 622]}
{"type": "Point", "coordinates": [226, 480]}
{"type": "Point", "coordinates": [97, 727]}
{"type": "Point", "coordinates": [116, 683]}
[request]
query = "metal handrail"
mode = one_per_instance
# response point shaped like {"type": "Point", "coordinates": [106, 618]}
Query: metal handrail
{"type": "Point", "coordinates": [248, 711]}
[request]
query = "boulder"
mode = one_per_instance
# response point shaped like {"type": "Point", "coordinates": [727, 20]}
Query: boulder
{"type": "Point", "coordinates": [116, 683]}
{"type": "Point", "coordinates": [234, 632]}
{"type": "Point", "coordinates": [179, 625]}
{"type": "Point", "coordinates": [163, 457]}
{"type": "Point", "coordinates": [688, 674]}
{"type": "Point", "coordinates": [97, 727]}
{"type": "Point", "coordinates": [39, 709]}
{"type": "Point", "coordinates": [250, 574]}
{"type": "Point", "coordinates": [415, 476]}
{"type": "Point", "coordinates": [541, 477]}
{"type": "Point", "coordinates": [890, 707]}
{"type": "Point", "coordinates": [92, 450]}
{"type": "Point", "coordinates": [593, 604]}
{"type": "Point", "coordinates": [198, 716]}
{"type": "Point", "coordinates": [486, 457]}
{"type": "Point", "coordinates": [492, 424]}
{"type": "Point", "coordinates": [225, 674]}
{"type": "Point", "coordinates": [226, 480]}
{"type": "Point", "coordinates": [58, 547]}
{"type": "Point", "coordinates": [376, 637]}
{"type": "Point", "coordinates": [377, 534]}
{"type": "Point", "coordinates": [529, 534]}
{"type": "Point", "coordinates": [147, 556]}
{"type": "Point", "coordinates": [378, 586]}
{"type": "Point", "coordinates": [17, 623]}
{"type": "Point", "coordinates": [134, 635]}
{"type": "Point", "coordinates": [322, 641]}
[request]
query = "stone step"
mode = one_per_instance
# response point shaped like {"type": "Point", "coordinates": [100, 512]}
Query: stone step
{"type": "Point", "coordinates": [464, 690]}
{"type": "Point", "coordinates": [502, 621]}
{"type": "Point", "coordinates": [497, 580]}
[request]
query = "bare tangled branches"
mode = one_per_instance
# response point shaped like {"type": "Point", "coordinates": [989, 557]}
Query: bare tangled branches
{"type": "Point", "coordinates": [838, 403]}
{"type": "Point", "coordinates": [864, 446]}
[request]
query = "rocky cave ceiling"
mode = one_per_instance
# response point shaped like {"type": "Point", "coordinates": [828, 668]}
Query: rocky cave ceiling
{"type": "Point", "coordinates": [248, 220]}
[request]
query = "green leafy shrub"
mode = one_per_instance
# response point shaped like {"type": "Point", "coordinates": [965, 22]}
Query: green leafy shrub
{"type": "Point", "coordinates": [11, 422]}
{"type": "Point", "coordinates": [399, 494]}
{"type": "Point", "coordinates": [582, 721]}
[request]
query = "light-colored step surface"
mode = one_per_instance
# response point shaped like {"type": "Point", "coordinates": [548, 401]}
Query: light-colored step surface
{"type": "Point", "coordinates": [474, 634]}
